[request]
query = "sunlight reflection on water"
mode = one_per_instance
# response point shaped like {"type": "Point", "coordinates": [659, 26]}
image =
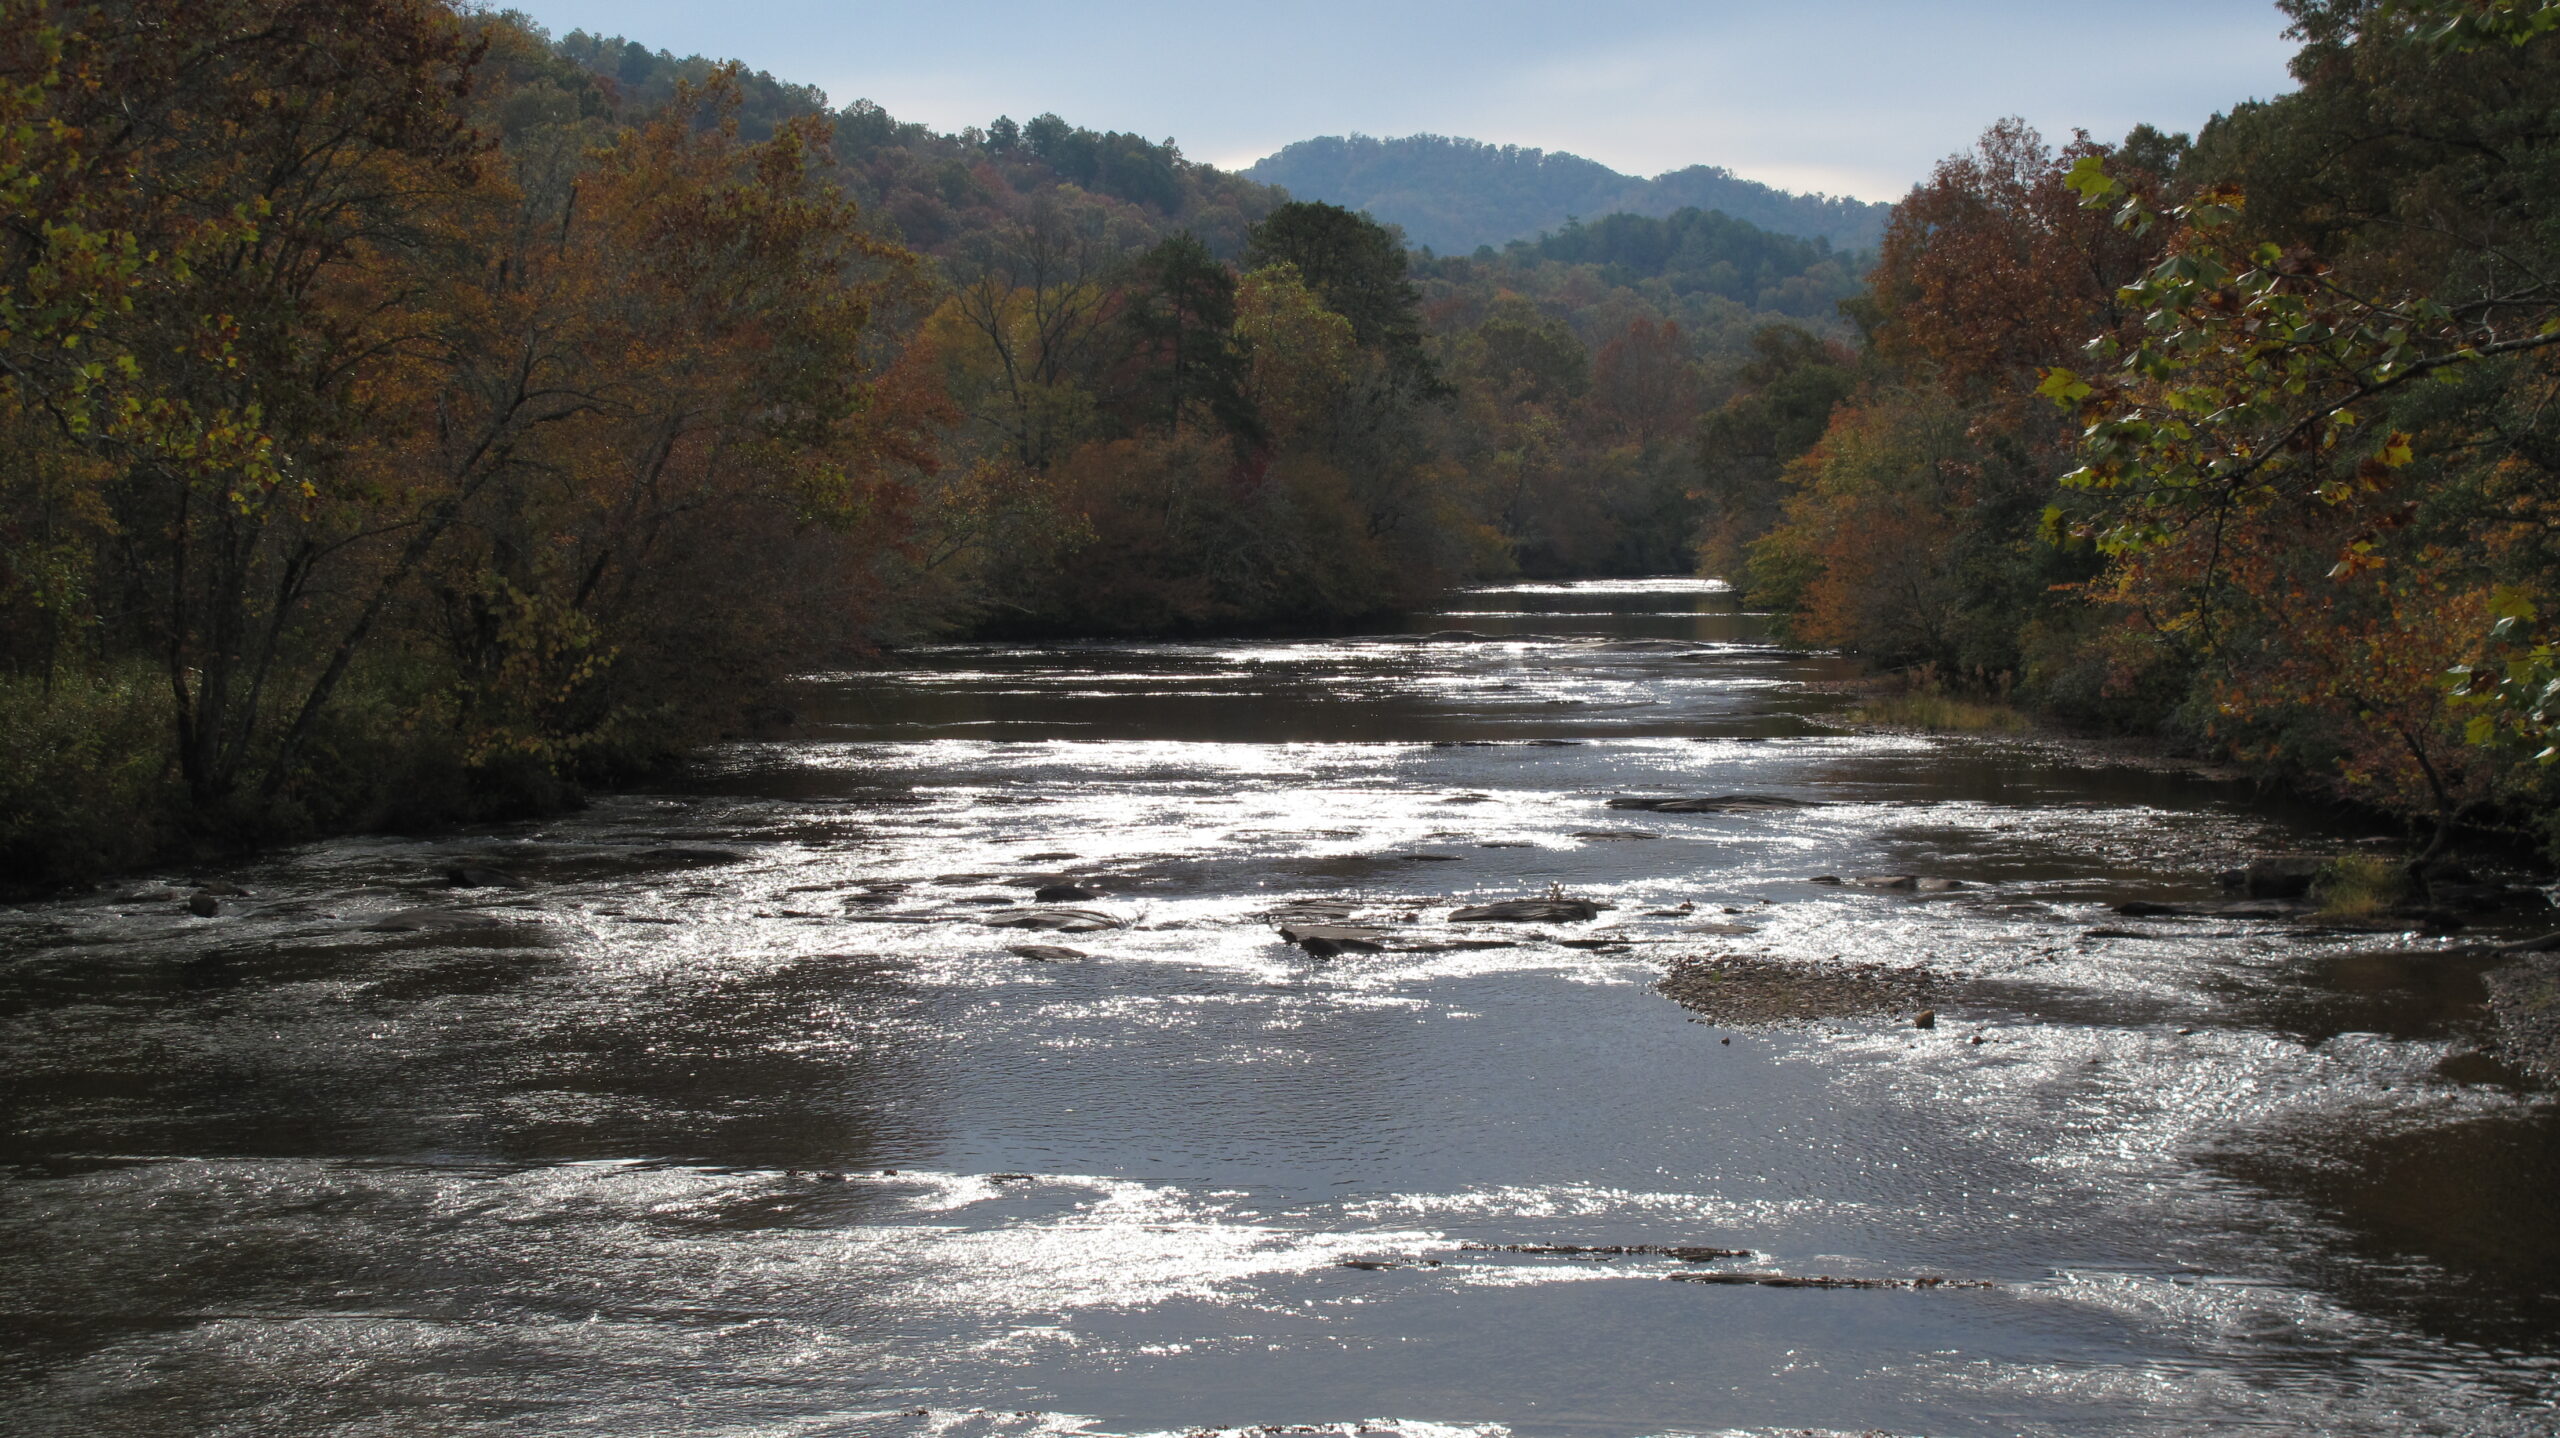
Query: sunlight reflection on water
{"type": "Point", "coordinates": [752, 1113]}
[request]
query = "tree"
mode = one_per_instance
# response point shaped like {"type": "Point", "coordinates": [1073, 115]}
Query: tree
{"type": "Point", "coordinates": [2340, 398]}
{"type": "Point", "coordinates": [1642, 383]}
{"type": "Point", "coordinates": [1789, 389]}
{"type": "Point", "coordinates": [1358, 266]}
{"type": "Point", "coordinates": [1181, 315]}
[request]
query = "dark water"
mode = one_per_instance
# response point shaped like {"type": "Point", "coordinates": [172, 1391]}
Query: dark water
{"type": "Point", "coordinates": [700, 1135]}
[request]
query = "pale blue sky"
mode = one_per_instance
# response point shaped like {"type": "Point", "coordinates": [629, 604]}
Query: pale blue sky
{"type": "Point", "coordinates": [1857, 97]}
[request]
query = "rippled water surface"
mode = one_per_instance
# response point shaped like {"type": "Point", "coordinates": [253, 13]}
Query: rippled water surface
{"type": "Point", "coordinates": [744, 1118]}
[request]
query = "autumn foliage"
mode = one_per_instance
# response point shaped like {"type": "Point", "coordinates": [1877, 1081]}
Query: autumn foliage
{"type": "Point", "coordinates": [2246, 441]}
{"type": "Point", "coordinates": [395, 430]}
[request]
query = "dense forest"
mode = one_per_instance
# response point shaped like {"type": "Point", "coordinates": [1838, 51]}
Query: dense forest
{"type": "Point", "coordinates": [1457, 195]}
{"type": "Point", "coordinates": [415, 416]}
{"type": "Point", "coordinates": [2247, 440]}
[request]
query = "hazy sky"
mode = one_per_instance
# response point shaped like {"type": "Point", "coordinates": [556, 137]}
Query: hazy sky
{"type": "Point", "coordinates": [1852, 97]}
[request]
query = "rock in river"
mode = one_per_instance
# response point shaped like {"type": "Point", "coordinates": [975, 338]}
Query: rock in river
{"type": "Point", "coordinates": [416, 921]}
{"type": "Point", "coordinates": [1530, 911]}
{"type": "Point", "coordinates": [1061, 921]}
{"type": "Point", "coordinates": [1326, 940]}
{"type": "Point", "coordinates": [2524, 998]}
{"type": "Point", "coordinates": [472, 876]}
{"type": "Point", "coordinates": [1064, 893]}
{"type": "Point", "coordinates": [1715, 804]}
{"type": "Point", "coordinates": [2276, 876]}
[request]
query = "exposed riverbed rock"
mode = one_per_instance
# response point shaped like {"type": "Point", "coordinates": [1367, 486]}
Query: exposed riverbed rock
{"type": "Point", "coordinates": [1715, 804]}
{"type": "Point", "coordinates": [1064, 894]}
{"type": "Point", "coordinates": [1738, 991]}
{"type": "Point", "coordinates": [1060, 921]}
{"type": "Point", "coordinates": [2276, 876]}
{"type": "Point", "coordinates": [1324, 941]}
{"type": "Point", "coordinates": [2524, 997]}
{"type": "Point", "coordinates": [1530, 911]}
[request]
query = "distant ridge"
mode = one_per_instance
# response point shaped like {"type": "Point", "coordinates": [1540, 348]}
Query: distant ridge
{"type": "Point", "coordinates": [1456, 194]}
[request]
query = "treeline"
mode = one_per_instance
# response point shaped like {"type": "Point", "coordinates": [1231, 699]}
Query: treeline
{"type": "Point", "coordinates": [1697, 251]}
{"type": "Point", "coordinates": [2249, 440]}
{"type": "Point", "coordinates": [412, 417]}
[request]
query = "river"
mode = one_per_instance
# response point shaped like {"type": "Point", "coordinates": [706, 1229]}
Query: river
{"type": "Point", "coordinates": [744, 1118]}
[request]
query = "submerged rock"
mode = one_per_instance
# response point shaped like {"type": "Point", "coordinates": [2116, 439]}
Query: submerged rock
{"type": "Point", "coordinates": [204, 906]}
{"type": "Point", "coordinates": [1650, 646]}
{"type": "Point", "coordinates": [1064, 893]}
{"type": "Point", "coordinates": [1686, 1253]}
{"type": "Point", "coordinates": [1606, 835]}
{"type": "Point", "coordinates": [1062, 921]}
{"type": "Point", "coordinates": [415, 921]}
{"type": "Point", "coordinates": [1530, 911]}
{"type": "Point", "coordinates": [1046, 953]}
{"type": "Point", "coordinates": [1312, 911]}
{"type": "Point", "coordinates": [1715, 804]}
{"type": "Point", "coordinates": [680, 854]}
{"type": "Point", "coordinates": [1789, 1280]}
{"type": "Point", "coordinates": [472, 876]}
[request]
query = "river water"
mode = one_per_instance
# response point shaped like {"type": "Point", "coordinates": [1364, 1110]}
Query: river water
{"type": "Point", "coordinates": [744, 1119]}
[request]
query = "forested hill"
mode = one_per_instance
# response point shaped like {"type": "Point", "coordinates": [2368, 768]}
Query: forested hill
{"type": "Point", "coordinates": [1454, 195]}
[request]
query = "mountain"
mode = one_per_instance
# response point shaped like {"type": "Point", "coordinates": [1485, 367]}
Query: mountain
{"type": "Point", "coordinates": [1455, 195]}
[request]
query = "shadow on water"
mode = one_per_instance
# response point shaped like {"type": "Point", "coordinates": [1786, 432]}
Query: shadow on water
{"type": "Point", "coordinates": [2453, 1227]}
